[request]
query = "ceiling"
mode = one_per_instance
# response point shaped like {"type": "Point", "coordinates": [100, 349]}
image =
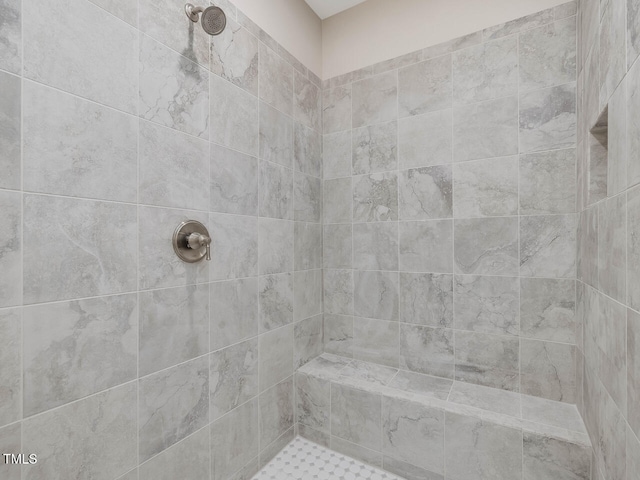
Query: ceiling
{"type": "Point", "coordinates": [327, 8]}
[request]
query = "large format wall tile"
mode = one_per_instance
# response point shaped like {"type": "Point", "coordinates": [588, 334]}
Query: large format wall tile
{"type": "Point", "coordinates": [375, 341]}
{"type": "Point", "coordinates": [375, 197]}
{"type": "Point", "coordinates": [613, 65]}
{"type": "Point", "coordinates": [546, 458]}
{"type": "Point", "coordinates": [425, 87]}
{"type": "Point", "coordinates": [74, 349]}
{"type": "Point", "coordinates": [485, 130]}
{"type": "Point", "coordinates": [548, 309]}
{"type": "Point", "coordinates": [11, 441]}
{"type": "Point", "coordinates": [85, 29]}
{"type": "Point", "coordinates": [427, 350]}
{"type": "Point", "coordinates": [234, 241]}
{"type": "Point", "coordinates": [338, 335]}
{"type": "Point", "coordinates": [313, 402]}
{"type": "Point", "coordinates": [633, 124]}
{"type": "Point", "coordinates": [336, 109]}
{"type": "Point", "coordinates": [307, 298]}
{"type": "Point", "coordinates": [548, 183]}
{"type": "Point", "coordinates": [307, 198]}
{"type": "Point", "coordinates": [375, 246]}
{"type": "Point", "coordinates": [234, 56]}
{"type": "Point", "coordinates": [307, 104]}
{"type": "Point", "coordinates": [338, 246]}
{"type": "Point", "coordinates": [187, 459]}
{"type": "Point", "coordinates": [548, 370]}
{"type": "Point", "coordinates": [275, 246]}
{"type": "Point", "coordinates": [234, 311]}
{"type": "Point", "coordinates": [96, 148]}
{"type": "Point", "coordinates": [308, 338]}
{"type": "Point", "coordinates": [276, 80]}
{"type": "Point", "coordinates": [174, 326]}
{"type": "Point", "coordinates": [10, 367]}
{"type": "Point", "coordinates": [426, 299]}
{"type": "Point", "coordinates": [92, 245]}
{"type": "Point", "coordinates": [174, 91]}
{"type": "Point", "coordinates": [376, 295]}
{"type": "Point", "coordinates": [338, 291]}
{"type": "Point", "coordinates": [92, 438]}
{"type": "Point", "coordinates": [11, 36]}
{"type": "Point", "coordinates": [276, 411]}
{"type": "Point", "coordinates": [375, 100]}
{"type": "Point", "coordinates": [276, 136]}
{"type": "Point", "coordinates": [336, 154]}
{"type": "Point", "coordinates": [425, 140]}
{"type": "Point", "coordinates": [11, 249]}
{"type": "Point", "coordinates": [612, 260]}
{"type": "Point", "coordinates": [426, 193]}
{"type": "Point", "coordinates": [356, 416]}
{"type": "Point", "coordinates": [548, 246]}
{"type": "Point", "coordinates": [172, 404]}
{"type": "Point", "coordinates": [275, 185]}
{"type": "Point", "coordinates": [426, 246]}
{"type": "Point", "coordinates": [486, 71]}
{"type": "Point", "coordinates": [123, 9]}
{"type": "Point", "coordinates": [375, 148]}
{"type": "Point", "coordinates": [173, 168]}
{"type": "Point", "coordinates": [10, 126]}
{"type": "Point", "coordinates": [234, 182]}
{"type": "Point", "coordinates": [633, 249]}
{"type": "Point", "coordinates": [307, 150]}
{"type": "Point", "coordinates": [276, 301]}
{"type": "Point", "coordinates": [307, 248]}
{"type": "Point", "coordinates": [486, 246]}
{"type": "Point", "coordinates": [337, 201]}
{"type": "Point", "coordinates": [633, 370]}
{"type": "Point", "coordinates": [276, 356]}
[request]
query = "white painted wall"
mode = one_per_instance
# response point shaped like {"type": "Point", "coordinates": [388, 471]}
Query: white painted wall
{"type": "Point", "coordinates": [378, 30]}
{"type": "Point", "coordinates": [293, 24]}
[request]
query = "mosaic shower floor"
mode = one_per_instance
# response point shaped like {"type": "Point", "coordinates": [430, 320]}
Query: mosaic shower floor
{"type": "Point", "coordinates": [304, 460]}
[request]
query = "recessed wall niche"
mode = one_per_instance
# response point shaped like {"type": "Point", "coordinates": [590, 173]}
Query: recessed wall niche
{"type": "Point", "coordinates": [598, 158]}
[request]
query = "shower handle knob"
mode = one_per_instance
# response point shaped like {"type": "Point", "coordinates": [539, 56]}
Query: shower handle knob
{"type": "Point", "coordinates": [196, 241]}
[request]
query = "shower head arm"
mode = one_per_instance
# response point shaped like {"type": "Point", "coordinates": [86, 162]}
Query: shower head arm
{"type": "Point", "coordinates": [193, 12]}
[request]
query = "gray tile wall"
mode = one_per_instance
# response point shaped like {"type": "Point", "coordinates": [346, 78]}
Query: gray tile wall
{"type": "Point", "coordinates": [117, 360]}
{"type": "Point", "coordinates": [608, 272]}
{"type": "Point", "coordinates": [450, 209]}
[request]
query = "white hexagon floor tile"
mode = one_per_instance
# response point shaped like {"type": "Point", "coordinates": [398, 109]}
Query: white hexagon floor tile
{"type": "Point", "coordinates": [304, 460]}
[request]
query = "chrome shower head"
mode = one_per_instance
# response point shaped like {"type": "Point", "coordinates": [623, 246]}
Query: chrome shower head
{"type": "Point", "coordinates": [213, 19]}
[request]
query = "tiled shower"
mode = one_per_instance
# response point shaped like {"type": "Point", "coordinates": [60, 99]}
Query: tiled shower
{"type": "Point", "coordinates": [430, 264]}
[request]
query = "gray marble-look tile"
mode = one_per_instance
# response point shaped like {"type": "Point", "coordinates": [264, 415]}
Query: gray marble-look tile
{"type": "Point", "coordinates": [617, 141]}
{"type": "Point", "coordinates": [308, 340]}
{"type": "Point", "coordinates": [96, 148]}
{"type": "Point", "coordinates": [10, 367]}
{"type": "Point", "coordinates": [407, 470]}
{"type": "Point", "coordinates": [633, 124]}
{"type": "Point", "coordinates": [376, 295]}
{"type": "Point", "coordinates": [92, 245]}
{"type": "Point", "coordinates": [612, 245]}
{"type": "Point", "coordinates": [11, 36]}
{"type": "Point", "coordinates": [307, 198]}
{"type": "Point", "coordinates": [317, 437]}
{"type": "Point", "coordinates": [307, 104]}
{"type": "Point", "coordinates": [413, 433]}
{"type": "Point", "coordinates": [336, 154]}
{"type": "Point", "coordinates": [269, 452]}
{"type": "Point", "coordinates": [597, 170]}
{"type": "Point", "coordinates": [277, 407]}
{"type": "Point", "coordinates": [234, 56]}
{"type": "Point", "coordinates": [358, 452]}
{"type": "Point", "coordinates": [234, 241]}
{"type": "Point", "coordinates": [425, 140]}
{"type": "Point", "coordinates": [633, 31]}
{"type": "Point", "coordinates": [307, 294]}
{"type": "Point", "coordinates": [425, 87]}
{"type": "Point", "coordinates": [375, 341]}
{"type": "Point", "coordinates": [375, 246]}
{"type": "Point", "coordinates": [518, 25]}
{"type": "Point", "coordinates": [88, 29]}
{"type": "Point", "coordinates": [174, 326]}
{"type": "Point", "coordinates": [548, 309]}
{"type": "Point", "coordinates": [11, 261]}
{"type": "Point", "coordinates": [551, 412]}
{"type": "Point", "coordinates": [275, 246]}
{"type": "Point", "coordinates": [233, 118]}
{"type": "Point", "coordinates": [426, 299]}
{"type": "Point", "coordinates": [548, 119]}
{"type": "Point", "coordinates": [485, 71]}
{"type": "Point", "coordinates": [548, 246]}
{"type": "Point", "coordinates": [307, 150]}
{"type": "Point", "coordinates": [356, 416]}
{"type": "Point", "coordinates": [374, 148]}
{"type": "Point", "coordinates": [633, 370]}
{"type": "Point", "coordinates": [276, 356]}
{"type": "Point", "coordinates": [276, 191]}
{"type": "Point", "coordinates": [587, 247]}
{"type": "Point", "coordinates": [423, 385]}
{"type": "Point", "coordinates": [426, 193]}
{"type": "Point", "coordinates": [479, 450]}
{"type": "Point", "coordinates": [307, 246]}
{"type": "Point", "coordinates": [313, 402]}
{"type": "Point", "coordinates": [81, 347]}
{"type": "Point", "coordinates": [548, 55]}
{"type": "Point", "coordinates": [565, 10]}
{"type": "Point", "coordinates": [485, 130]}
{"type": "Point", "coordinates": [159, 266]}
{"type": "Point", "coordinates": [548, 370]}
{"type": "Point", "coordinates": [171, 168]}
{"type": "Point", "coordinates": [486, 246]}
{"type": "Point", "coordinates": [276, 80]}
{"type": "Point", "coordinates": [234, 182]}
{"type": "Point", "coordinates": [173, 91]}
{"type": "Point", "coordinates": [123, 9]}
{"type": "Point", "coordinates": [10, 124]}
{"type": "Point", "coordinates": [613, 36]}
{"type": "Point", "coordinates": [375, 100]}
{"type": "Point", "coordinates": [338, 246]}
{"type": "Point", "coordinates": [276, 301]}
{"type": "Point", "coordinates": [427, 350]}
{"type": "Point", "coordinates": [547, 458]}
{"type": "Point", "coordinates": [548, 182]}
{"type": "Point", "coordinates": [426, 246]}
{"type": "Point", "coordinates": [172, 404]}
{"type": "Point", "coordinates": [276, 136]}
{"type": "Point", "coordinates": [234, 440]}
{"type": "Point", "coordinates": [632, 454]}
{"type": "Point", "coordinates": [233, 377]}
{"type": "Point", "coordinates": [338, 335]}
{"type": "Point", "coordinates": [375, 197]}
{"type": "Point", "coordinates": [92, 438]}
{"type": "Point", "coordinates": [337, 198]}
{"type": "Point", "coordinates": [11, 442]}
{"type": "Point", "coordinates": [487, 304]}
{"type": "Point", "coordinates": [234, 311]}
{"type": "Point", "coordinates": [187, 459]}
{"type": "Point", "coordinates": [488, 360]}
{"type": "Point", "coordinates": [336, 109]}
{"type": "Point", "coordinates": [367, 373]}
{"type": "Point", "coordinates": [486, 188]}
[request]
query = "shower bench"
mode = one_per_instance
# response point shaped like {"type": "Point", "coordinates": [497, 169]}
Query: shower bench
{"type": "Point", "coordinates": [428, 428]}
